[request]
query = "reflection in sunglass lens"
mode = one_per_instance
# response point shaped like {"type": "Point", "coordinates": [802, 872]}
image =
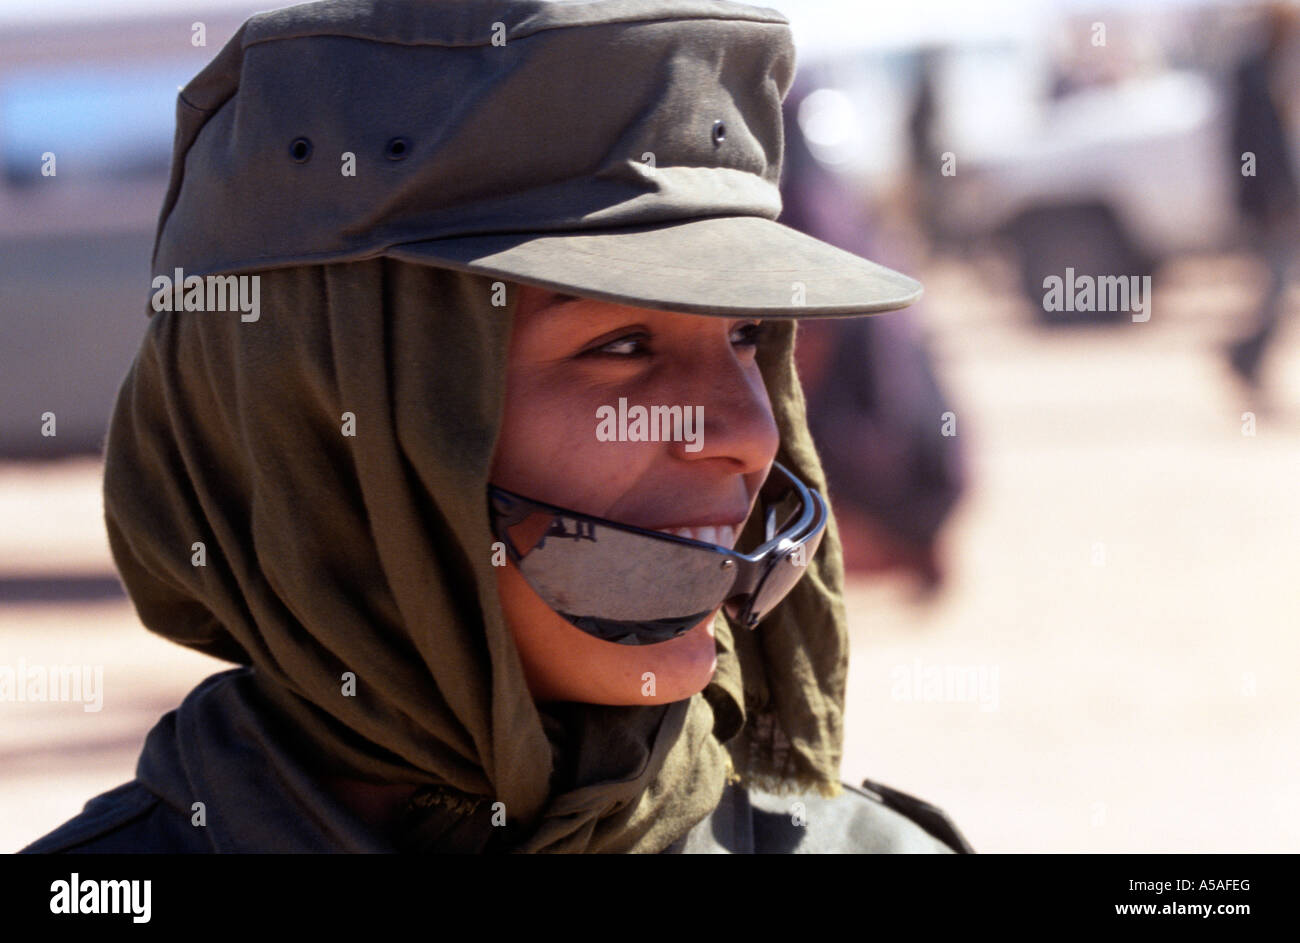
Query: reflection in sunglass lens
{"type": "Point", "coordinates": [620, 587]}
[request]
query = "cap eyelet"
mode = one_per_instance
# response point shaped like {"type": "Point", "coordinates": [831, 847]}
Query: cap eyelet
{"type": "Point", "coordinates": [728, 564]}
{"type": "Point", "coordinates": [719, 132]}
{"type": "Point", "coordinates": [397, 148]}
{"type": "Point", "coordinates": [300, 150]}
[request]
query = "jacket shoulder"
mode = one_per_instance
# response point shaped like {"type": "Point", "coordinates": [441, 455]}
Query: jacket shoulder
{"type": "Point", "coordinates": [933, 820]}
{"type": "Point", "coordinates": [126, 820]}
{"type": "Point", "coordinates": [872, 819]}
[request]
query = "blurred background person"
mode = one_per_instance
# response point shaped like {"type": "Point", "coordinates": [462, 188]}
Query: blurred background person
{"type": "Point", "coordinates": [1267, 197]}
{"type": "Point", "coordinates": [875, 404]}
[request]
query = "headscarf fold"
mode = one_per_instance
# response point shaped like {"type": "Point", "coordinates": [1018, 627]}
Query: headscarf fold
{"type": "Point", "coordinates": [354, 573]}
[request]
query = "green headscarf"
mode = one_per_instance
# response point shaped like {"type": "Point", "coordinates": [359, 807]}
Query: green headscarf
{"type": "Point", "coordinates": [371, 554]}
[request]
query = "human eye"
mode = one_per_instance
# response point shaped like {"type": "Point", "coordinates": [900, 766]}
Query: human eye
{"type": "Point", "coordinates": [627, 346]}
{"type": "Point", "coordinates": [631, 345]}
{"type": "Point", "coordinates": [635, 343]}
{"type": "Point", "coordinates": [749, 334]}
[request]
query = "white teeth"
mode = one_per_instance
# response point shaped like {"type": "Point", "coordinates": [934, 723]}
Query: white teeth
{"type": "Point", "coordinates": [723, 535]}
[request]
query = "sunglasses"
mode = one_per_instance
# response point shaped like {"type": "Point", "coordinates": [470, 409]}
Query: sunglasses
{"type": "Point", "coordinates": [635, 586]}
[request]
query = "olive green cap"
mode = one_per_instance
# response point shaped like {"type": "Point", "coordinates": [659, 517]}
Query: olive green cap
{"type": "Point", "coordinates": [627, 150]}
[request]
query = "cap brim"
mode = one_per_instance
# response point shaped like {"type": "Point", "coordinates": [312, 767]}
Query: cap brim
{"type": "Point", "coordinates": [729, 266]}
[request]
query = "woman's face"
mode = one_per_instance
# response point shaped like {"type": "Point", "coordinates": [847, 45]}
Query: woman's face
{"type": "Point", "coordinates": [569, 357]}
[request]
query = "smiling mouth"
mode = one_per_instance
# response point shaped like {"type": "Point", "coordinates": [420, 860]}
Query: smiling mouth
{"type": "Point", "coordinates": [724, 535]}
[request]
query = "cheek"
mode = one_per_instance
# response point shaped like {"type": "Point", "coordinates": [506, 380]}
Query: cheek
{"type": "Point", "coordinates": [546, 436]}
{"type": "Point", "coordinates": [548, 447]}
{"type": "Point", "coordinates": [529, 425]}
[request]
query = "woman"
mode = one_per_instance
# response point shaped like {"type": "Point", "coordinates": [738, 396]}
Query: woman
{"type": "Point", "coordinates": [340, 494]}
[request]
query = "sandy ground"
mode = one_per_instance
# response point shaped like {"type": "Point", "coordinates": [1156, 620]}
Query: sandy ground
{"type": "Point", "coordinates": [1110, 667]}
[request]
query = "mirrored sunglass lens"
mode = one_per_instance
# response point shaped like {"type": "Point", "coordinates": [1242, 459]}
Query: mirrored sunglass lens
{"type": "Point", "coordinates": [621, 586]}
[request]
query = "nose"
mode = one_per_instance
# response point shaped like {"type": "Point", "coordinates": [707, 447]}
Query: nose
{"type": "Point", "coordinates": [738, 425]}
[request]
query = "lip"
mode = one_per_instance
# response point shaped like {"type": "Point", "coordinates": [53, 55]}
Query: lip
{"type": "Point", "coordinates": [713, 522]}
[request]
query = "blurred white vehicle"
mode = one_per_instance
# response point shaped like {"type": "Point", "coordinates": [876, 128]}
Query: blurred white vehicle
{"type": "Point", "coordinates": [1110, 177]}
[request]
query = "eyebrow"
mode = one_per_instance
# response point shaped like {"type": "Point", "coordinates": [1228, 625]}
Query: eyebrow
{"type": "Point", "coordinates": [555, 300]}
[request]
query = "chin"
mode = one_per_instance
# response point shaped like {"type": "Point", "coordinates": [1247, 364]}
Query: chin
{"type": "Point", "coordinates": [682, 667]}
